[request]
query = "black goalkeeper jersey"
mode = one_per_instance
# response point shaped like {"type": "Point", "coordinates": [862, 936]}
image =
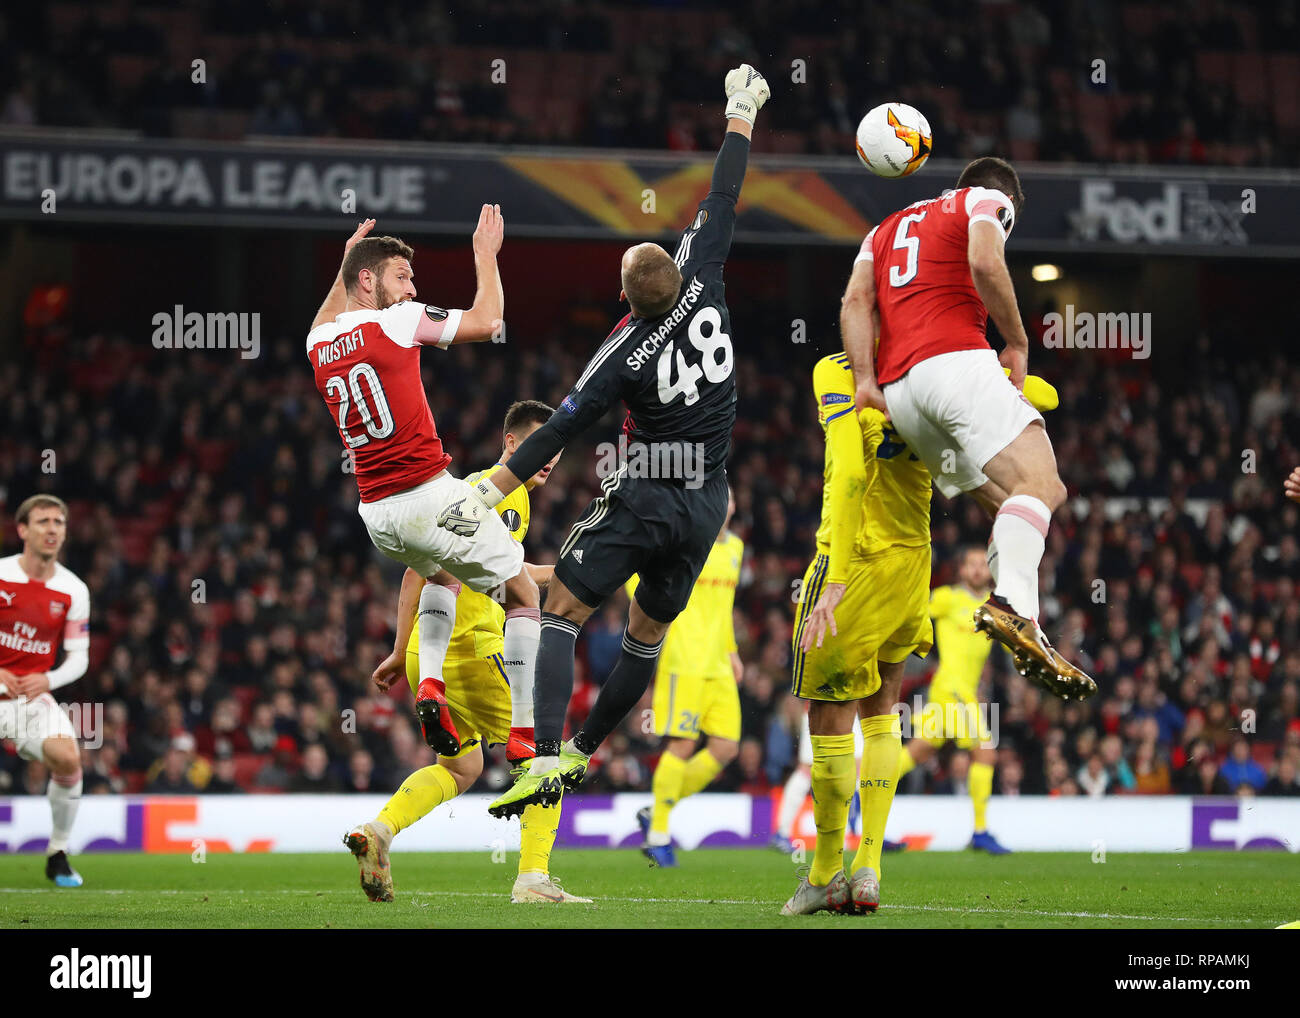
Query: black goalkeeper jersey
{"type": "Point", "coordinates": [675, 373]}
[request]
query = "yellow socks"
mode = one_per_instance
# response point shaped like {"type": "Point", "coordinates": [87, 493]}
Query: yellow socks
{"type": "Point", "coordinates": [424, 790]}
{"type": "Point", "coordinates": [667, 788]}
{"type": "Point", "coordinates": [537, 827]}
{"type": "Point", "coordinates": [674, 780]}
{"type": "Point", "coordinates": [882, 746]}
{"type": "Point", "coordinates": [832, 789]}
{"type": "Point", "coordinates": [702, 768]}
{"type": "Point", "coordinates": [905, 763]}
{"type": "Point", "coordinates": [980, 783]}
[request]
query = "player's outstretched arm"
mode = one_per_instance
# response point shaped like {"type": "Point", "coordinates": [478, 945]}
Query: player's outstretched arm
{"type": "Point", "coordinates": [483, 321]}
{"type": "Point", "coordinates": [336, 301]}
{"type": "Point", "coordinates": [985, 250]}
{"type": "Point", "coordinates": [858, 329]}
{"type": "Point", "coordinates": [746, 91]}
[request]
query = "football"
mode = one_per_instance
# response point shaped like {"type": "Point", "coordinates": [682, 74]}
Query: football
{"type": "Point", "coordinates": [893, 140]}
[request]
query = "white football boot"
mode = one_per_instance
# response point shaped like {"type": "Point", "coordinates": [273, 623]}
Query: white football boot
{"type": "Point", "coordinates": [810, 898]}
{"type": "Point", "coordinates": [536, 888]}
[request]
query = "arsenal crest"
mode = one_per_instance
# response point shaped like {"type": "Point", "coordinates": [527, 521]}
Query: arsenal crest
{"type": "Point", "coordinates": [56, 608]}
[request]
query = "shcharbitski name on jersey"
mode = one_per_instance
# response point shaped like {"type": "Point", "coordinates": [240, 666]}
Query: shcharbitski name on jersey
{"type": "Point", "coordinates": [36, 618]}
{"type": "Point", "coordinates": [648, 347]}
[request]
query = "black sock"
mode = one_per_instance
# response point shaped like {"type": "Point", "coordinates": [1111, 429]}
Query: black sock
{"type": "Point", "coordinates": [553, 681]}
{"type": "Point", "coordinates": [625, 686]}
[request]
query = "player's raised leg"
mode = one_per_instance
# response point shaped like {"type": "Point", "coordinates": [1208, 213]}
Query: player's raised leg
{"type": "Point", "coordinates": [1027, 469]}
{"type": "Point", "coordinates": [540, 780]}
{"type": "Point", "coordinates": [522, 638]}
{"type": "Point", "coordinates": [435, 621]}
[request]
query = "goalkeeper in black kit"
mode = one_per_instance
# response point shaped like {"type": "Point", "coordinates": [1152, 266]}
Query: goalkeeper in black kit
{"type": "Point", "coordinates": [670, 361]}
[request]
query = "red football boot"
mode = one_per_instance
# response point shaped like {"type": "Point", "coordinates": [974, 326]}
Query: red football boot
{"type": "Point", "coordinates": [435, 718]}
{"type": "Point", "coordinates": [520, 746]}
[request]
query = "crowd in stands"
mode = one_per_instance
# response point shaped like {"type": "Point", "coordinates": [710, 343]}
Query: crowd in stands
{"type": "Point", "coordinates": [1169, 81]}
{"type": "Point", "coordinates": [238, 608]}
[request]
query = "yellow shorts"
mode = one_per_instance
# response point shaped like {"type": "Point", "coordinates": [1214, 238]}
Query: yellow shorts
{"type": "Point", "coordinates": [885, 614]}
{"type": "Point", "coordinates": [688, 706]}
{"type": "Point", "coordinates": [478, 695]}
{"type": "Point", "coordinates": [952, 714]}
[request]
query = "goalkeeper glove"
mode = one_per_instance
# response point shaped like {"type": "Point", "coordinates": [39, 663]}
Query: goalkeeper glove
{"type": "Point", "coordinates": [463, 516]}
{"type": "Point", "coordinates": [746, 92]}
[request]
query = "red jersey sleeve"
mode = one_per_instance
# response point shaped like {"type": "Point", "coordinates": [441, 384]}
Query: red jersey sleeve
{"type": "Point", "coordinates": [991, 206]}
{"type": "Point", "coordinates": [413, 324]}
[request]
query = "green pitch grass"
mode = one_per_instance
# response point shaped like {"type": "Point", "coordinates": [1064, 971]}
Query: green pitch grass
{"type": "Point", "coordinates": [711, 889]}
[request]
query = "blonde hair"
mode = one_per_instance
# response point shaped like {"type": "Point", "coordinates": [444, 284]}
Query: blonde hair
{"type": "Point", "coordinates": [652, 281]}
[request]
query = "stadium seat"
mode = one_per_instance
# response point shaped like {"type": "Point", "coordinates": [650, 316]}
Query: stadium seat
{"type": "Point", "coordinates": [1284, 82]}
{"type": "Point", "coordinates": [248, 766]}
{"type": "Point", "coordinates": [1214, 67]}
{"type": "Point", "coordinates": [1250, 80]}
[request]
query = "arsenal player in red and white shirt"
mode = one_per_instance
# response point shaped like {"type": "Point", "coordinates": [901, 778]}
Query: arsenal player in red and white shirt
{"type": "Point", "coordinates": [364, 348]}
{"type": "Point", "coordinates": [44, 607]}
{"type": "Point", "coordinates": [924, 284]}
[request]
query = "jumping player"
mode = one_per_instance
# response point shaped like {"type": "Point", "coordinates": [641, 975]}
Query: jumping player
{"type": "Point", "coordinates": [365, 350]}
{"type": "Point", "coordinates": [932, 274]}
{"type": "Point", "coordinates": [670, 361]}
{"type": "Point", "coordinates": [43, 605]}
{"type": "Point", "coordinates": [482, 702]}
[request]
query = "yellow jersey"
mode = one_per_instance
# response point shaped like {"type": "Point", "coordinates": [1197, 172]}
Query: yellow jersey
{"type": "Point", "coordinates": [962, 651]}
{"type": "Point", "coordinates": [876, 491]}
{"type": "Point", "coordinates": [480, 618]}
{"type": "Point", "coordinates": [702, 638]}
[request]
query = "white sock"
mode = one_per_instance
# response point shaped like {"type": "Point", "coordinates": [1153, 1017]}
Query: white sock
{"type": "Point", "coordinates": [1019, 537]}
{"type": "Point", "coordinates": [65, 799]}
{"type": "Point", "coordinates": [991, 554]}
{"type": "Point", "coordinates": [522, 632]}
{"type": "Point", "coordinates": [793, 796]}
{"type": "Point", "coordinates": [435, 622]}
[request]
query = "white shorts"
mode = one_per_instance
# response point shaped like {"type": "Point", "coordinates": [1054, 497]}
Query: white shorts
{"type": "Point", "coordinates": [805, 742]}
{"type": "Point", "coordinates": [405, 527]}
{"type": "Point", "coordinates": [957, 411]}
{"type": "Point", "coordinates": [28, 723]}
